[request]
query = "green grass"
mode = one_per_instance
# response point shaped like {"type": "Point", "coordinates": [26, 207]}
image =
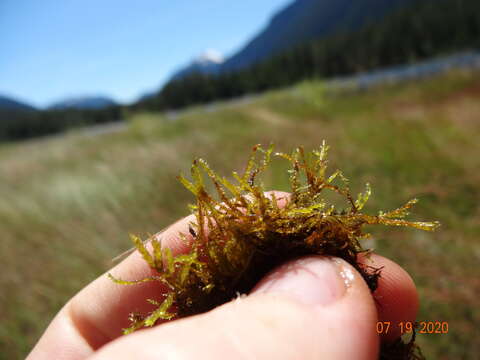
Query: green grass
{"type": "Point", "coordinates": [69, 203]}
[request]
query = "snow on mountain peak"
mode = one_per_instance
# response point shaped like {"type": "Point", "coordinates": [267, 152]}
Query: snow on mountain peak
{"type": "Point", "coordinates": [210, 56]}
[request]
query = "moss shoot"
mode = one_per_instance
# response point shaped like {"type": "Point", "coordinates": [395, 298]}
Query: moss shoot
{"type": "Point", "coordinates": [241, 233]}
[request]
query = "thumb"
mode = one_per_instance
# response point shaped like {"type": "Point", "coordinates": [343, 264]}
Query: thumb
{"type": "Point", "coordinates": [309, 308]}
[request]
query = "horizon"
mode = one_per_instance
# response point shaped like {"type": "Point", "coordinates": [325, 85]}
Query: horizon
{"type": "Point", "coordinates": [50, 61]}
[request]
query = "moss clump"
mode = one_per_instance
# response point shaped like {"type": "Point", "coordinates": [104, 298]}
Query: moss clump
{"type": "Point", "coordinates": [242, 233]}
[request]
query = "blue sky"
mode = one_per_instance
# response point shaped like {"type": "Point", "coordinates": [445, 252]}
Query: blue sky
{"type": "Point", "coordinates": [52, 49]}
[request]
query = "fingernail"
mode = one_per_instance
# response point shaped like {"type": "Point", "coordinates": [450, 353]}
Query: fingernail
{"type": "Point", "coordinates": [312, 280]}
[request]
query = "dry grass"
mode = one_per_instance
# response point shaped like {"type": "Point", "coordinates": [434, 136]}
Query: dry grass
{"type": "Point", "coordinates": [69, 203]}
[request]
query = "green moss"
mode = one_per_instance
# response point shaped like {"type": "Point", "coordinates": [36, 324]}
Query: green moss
{"type": "Point", "coordinates": [241, 233]}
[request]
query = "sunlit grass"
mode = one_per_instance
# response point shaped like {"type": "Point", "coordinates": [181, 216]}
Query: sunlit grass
{"type": "Point", "coordinates": [68, 204]}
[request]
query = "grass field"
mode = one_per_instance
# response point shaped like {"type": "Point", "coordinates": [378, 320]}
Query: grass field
{"type": "Point", "coordinates": [68, 204]}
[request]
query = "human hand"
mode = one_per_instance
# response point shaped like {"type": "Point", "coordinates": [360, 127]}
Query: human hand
{"type": "Point", "coordinates": [309, 308]}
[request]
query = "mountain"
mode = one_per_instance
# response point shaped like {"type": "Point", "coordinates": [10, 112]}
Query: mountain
{"type": "Point", "coordinates": [207, 63]}
{"type": "Point", "coordinates": [147, 95]}
{"type": "Point", "coordinates": [9, 104]}
{"type": "Point", "coordinates": [83, 103]}
{"type": "Point", "coordinates": [298, 23]}
{"type": "Point", "coordinates": [306, 20]}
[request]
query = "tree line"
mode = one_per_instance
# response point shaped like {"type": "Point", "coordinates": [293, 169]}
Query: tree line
{"type": "Point", "coordinates": [26, 124]}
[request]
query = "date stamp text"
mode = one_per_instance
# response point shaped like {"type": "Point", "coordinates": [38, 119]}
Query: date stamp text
{"type": "Point", "coordinates": [422, 327]}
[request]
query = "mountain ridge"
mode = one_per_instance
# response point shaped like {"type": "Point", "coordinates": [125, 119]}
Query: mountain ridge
{"type": "Point", "coordinates": [209, 62]}
{"type": "Point", "coordinates": [83, 103]}
{"type": "Point", "coordinates": [8, 103]}
{"type": "Point", "coordinates": [297, 23]}
{"type": "Point", "coordinates": [306, 20]}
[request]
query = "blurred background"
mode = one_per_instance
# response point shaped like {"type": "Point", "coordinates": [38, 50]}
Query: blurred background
{"type": "Point", "coordinates": [104, 103]}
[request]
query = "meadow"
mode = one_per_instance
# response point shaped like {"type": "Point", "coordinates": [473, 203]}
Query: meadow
{"type": "Point", "coordinates": [68, 203]}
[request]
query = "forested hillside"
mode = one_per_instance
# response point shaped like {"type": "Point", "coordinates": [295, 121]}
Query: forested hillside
{"type": "Point", "coordinates": [20, 125]}
{"type": "Point", "coordinates": [424, 29]}
{"type": "Point", "coordinates": [306, 20]}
